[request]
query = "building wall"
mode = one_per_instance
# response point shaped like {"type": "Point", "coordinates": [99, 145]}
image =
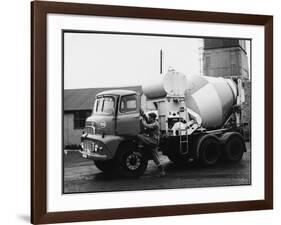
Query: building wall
{"type": "Point", "coordinates": [225, 62]}
{"type": "Point", "coordinates": [246, 109]}
{"type": "Point", "coordinates": [71, 135]}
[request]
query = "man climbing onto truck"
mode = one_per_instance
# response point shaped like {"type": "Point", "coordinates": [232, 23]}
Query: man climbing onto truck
{"type": "Point", "coordinates": [151, 138]}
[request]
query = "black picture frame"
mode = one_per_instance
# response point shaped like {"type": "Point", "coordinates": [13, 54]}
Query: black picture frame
{"type": "Point", "coordinates": [39, 11]}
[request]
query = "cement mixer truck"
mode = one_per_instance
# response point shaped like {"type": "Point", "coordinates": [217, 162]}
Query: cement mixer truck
{"type": "Point", "coordinates": [199, 117]}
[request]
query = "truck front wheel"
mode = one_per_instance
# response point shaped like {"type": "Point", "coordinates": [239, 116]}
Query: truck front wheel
{"type": "Point", "coordinates": [209, 150]}
{"type": "Point", "coordinates": [129, 162]}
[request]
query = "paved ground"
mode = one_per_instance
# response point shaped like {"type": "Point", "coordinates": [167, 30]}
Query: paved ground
{"type": "Point", "coordinates": [81, 175]}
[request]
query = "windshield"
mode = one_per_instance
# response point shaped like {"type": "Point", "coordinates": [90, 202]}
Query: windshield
{"type": "Point", "coordinates": [104, 105]}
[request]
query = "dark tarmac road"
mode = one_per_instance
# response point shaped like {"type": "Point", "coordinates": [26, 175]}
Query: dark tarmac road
{"type": "Point", "coordinates": [81, 175]}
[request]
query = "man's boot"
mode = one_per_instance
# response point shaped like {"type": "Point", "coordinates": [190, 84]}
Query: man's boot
{"type": "Point", "coordinates": [162, 172]}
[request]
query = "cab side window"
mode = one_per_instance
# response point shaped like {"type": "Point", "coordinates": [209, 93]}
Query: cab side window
{"type": "Point", "coordinates": [128, 104]}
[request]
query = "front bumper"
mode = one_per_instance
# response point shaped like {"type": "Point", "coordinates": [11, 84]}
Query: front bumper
{"type": "Point", "coordinates": [92, 155]}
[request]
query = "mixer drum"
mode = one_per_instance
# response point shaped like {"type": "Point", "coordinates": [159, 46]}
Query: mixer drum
{"type": "Point", "coordinates": [211, 97]}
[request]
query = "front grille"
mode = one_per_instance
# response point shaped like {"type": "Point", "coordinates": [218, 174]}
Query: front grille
{"type": "Point", "coordinates": [89, 124]}
{"type": "Point", "coordinates": [90, 130]}
{"type": "Point", "coordinates": [91, 146]}
{"type": "Point", "coordinates": [88, 145]}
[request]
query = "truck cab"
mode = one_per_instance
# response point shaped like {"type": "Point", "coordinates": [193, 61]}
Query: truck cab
{"type": "Point", "coordinates": [111, 130]}
{"type": "Point", "coordinates": [115, 112]}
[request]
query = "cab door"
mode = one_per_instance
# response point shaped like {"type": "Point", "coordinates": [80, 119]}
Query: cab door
{"type": "Point", "coordinates": [128, 118]}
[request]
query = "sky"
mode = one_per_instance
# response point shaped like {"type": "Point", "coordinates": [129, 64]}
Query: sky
{"type": "Point", "coordinates": [114, 60]}
{"type": "Point", "coordinates": [117, 60]}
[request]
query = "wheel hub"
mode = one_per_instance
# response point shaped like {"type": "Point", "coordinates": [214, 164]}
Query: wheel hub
{"type": "Point", "coordinates": [133, 161]}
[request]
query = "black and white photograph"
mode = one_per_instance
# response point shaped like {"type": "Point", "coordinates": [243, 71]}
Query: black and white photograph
{"type": "Point", "coordinates": [149, 112]}
{"type": "Point", "coordinates": [154, 111]}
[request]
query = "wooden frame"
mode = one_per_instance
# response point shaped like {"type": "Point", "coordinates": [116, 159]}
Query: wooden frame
{"type": "Point", "coordinates": [39, 11]}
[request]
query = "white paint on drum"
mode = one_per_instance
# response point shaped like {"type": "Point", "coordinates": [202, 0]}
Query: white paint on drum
{"type": "Point", "coordinates": [209, 105]}
{"type": "Point", "coordinates": [212, 98]}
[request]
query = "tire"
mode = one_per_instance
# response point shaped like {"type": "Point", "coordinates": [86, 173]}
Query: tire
{"type": "Point", "coordinates": [209, 150]}
{"type": "Point", "coordinates": [130, 163]}
{"type": "Point", "coordinates": [234, 148]}
{"type": "Point", "coordinates": [105, 166]}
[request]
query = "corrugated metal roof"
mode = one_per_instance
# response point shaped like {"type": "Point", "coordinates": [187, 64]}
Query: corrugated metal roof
{"type": "Point", "coordinates": [118, 92]}
{"type": "Point", "coordinates": [83, 99]}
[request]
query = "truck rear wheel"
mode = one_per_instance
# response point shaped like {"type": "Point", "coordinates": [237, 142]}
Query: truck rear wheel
{"type": "Point", "coordinates": [105, 166]}
{"type": "Point", "coordinates": [129, 162]}
{"type": "Point", "coordinates": [234, 148]}
{"type": "Point", "coordinates": [209, 150]}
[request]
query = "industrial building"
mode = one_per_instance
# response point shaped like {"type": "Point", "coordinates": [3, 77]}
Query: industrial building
{"type": "Point", "coordinates": [225, 58]}
{"type": "Point", "coordinates": [229, 58]}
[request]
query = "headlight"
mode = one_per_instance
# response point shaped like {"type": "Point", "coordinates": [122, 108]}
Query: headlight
{"type": "Point", "coordinates": [96, 147]}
